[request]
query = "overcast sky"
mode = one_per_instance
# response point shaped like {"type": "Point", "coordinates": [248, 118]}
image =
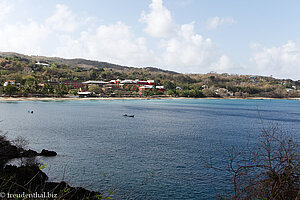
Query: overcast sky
{"type": "Point", "coordinates": [188, 36]}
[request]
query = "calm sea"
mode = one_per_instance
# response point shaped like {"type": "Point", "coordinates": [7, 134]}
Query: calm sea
{"type": "Point", "coordinates": [158, 154]}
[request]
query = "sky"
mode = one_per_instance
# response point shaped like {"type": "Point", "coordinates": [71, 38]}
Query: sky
{"type": "Point", "coordinates": [188, 36]}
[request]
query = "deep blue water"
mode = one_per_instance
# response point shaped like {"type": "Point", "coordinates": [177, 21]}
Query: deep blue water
{"type": "Point", "coordinates": [159, 154]}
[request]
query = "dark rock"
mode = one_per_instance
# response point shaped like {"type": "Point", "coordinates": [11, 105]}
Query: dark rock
{"type": "Point", "coordinates": [68, 192]}
{"type": "Point", "coordinates": [10, 168]}
{"type": "Point", "coordinates": [29, 153]}
{"type": "Point", "coordinates": [47, 153]}
{"type": "Point", "coordinates": [30, 177]}
{"type": "Point", "coordinates": [25, 176]}
{"type": "Point", "coordinates": [10, 152]}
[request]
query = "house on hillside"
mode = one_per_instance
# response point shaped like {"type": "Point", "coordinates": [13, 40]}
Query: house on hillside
{"type": "Point", "coordinates": [115, 81]}
{"type": "Point", "coordinates": [144, 88]}
{"type": "Point", "coordinates": [205, 86]}
{"type": "Point", "coordinates": [42, 64]}
{"type": "Point", "coordinates": [148, 82]}
{"type": "Point", "coordinates": [53, 82]}
{"type": "Point", "coordinates": [12, 82]}
{"type": "Point", "coordinates": [128, 82]}
{"type": "Point", "coordinates": [160, 88]}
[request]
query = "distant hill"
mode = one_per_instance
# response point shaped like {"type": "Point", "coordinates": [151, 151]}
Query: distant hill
{"type": "Point", "coordinates": [82, 63]}
{"type": "Point", "coordinates": [32, 71]}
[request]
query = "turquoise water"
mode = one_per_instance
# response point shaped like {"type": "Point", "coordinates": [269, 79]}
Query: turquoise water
{"type": "Point", "coordinates": [158, 154]}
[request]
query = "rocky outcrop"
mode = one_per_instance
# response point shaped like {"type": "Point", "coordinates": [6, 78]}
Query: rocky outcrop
{"type": "Point", "coordinates": [47, 153]}
{"type": "Point", "coordinates": [29, 153]}
{"type": "Point", "coordinates": [29, 178]}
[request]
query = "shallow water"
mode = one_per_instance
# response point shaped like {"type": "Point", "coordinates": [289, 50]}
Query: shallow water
{"type": "Point", "coordinates": [158, 154]}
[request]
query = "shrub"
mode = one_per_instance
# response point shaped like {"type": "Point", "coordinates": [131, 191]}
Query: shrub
{"type": "Point", "coordinates": [270, 169]}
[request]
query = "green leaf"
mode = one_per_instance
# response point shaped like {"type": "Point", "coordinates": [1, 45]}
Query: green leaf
{"type": "Point", "coordinates": [43, 166]}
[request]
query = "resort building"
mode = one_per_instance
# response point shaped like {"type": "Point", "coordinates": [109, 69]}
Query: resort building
{"type": "Point", "coordinates": [145, 88]}
{"type": "Point", "coordinates": [160, 88]}
{"type": "Point", "coordinates": [84, 94]}
{"type": "Point", "coordinates": [74, 84]}
{"type": "Point", "coordinates": [101, 83]}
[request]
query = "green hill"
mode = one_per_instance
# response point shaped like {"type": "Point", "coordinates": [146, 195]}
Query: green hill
{"type": "Point", "coordinates": [79, 62]}
{"type": "Point", "coordinates": [32, 72]}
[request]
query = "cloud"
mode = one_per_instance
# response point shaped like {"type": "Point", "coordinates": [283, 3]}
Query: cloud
{"type": "Point", "coordinates": [223, 64]}
{"type": "Point", "coordinates": [215, 22]}
{"type": "Point", "coordinates": [112, 43]}
{"type": "Point", "coordinates": [189, 51]}
{"type": "Point", "coordinates": [5, 9]}
{"type": "Point", "coordinates": [32, 37]}
{"type": "Point", "coordinates": [282, 61]}
{"type": "Point", "coordinates": [181, 3]}
{"type": "Point", "coordinates": [62, 20]}
{"type": "Point", "coordinates": [175, 46]}
{"type": "Point", "coordinates": [64, 34]}
{"type": "Point", "coordinates": [159, 20]}
{"type": "Point", "coordinates": [26, 38]}
{"type": "Point", "coordinates": [185, 2]}
{"type": "Point", "coordinates": [182, 49]}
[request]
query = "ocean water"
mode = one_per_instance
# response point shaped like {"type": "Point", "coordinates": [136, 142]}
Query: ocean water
{"type": "Point", "coordinates": [161, 153]}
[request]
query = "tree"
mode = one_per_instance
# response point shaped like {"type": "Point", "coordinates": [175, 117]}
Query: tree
{"type": "Point", "coordinates": [195, 93]}
{"type": "Point", "coordinates": [94, 88]}
{"type": "Point", "coordinates": [268, 169]}
{"type": "Point", "coordinates": [184, 93]}
{"type": "Point", "coordinates": [47, 89]}
{"type": "Point", "coordinates": [171, 92]}
{"type": "Point", "coordinates": [210, 92]}
{"type": "Point", "coordinates": [30, 86]}
{"type": "Point", "coordinates": [10, 89]}
{"type": "Point", "coordinates": [61, 89]}
{"type": "Point", "coordinates": [169, 85]}
{"type": "Point", "coordinates": [74, 92]}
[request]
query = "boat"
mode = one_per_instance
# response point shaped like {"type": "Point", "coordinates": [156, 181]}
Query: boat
{"type": "Point", "coordinates": [128, 115]}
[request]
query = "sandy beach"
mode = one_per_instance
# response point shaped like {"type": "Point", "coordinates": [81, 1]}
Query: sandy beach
{"type": "Point", "coordinates": [120, 98]}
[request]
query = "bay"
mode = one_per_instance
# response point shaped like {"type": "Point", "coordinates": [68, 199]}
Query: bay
{"type": "Point", "coordinates": [158, 154]}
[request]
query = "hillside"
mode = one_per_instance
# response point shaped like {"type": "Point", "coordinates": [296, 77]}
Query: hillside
{"type": "Point", "coordinates": [46, 76]}
{"type": "Point", "coordinates": [79, 62]}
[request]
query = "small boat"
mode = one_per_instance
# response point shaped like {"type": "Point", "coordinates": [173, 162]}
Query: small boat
{"type": "Point", "coordinates": [128, 115]}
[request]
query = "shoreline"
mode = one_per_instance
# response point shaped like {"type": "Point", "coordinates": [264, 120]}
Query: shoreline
{"type": "Point", "coordinates": [3, 99]}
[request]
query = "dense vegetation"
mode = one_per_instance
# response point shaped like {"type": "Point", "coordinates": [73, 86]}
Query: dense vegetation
{"type": "Point", "coordinates": [34, 80]}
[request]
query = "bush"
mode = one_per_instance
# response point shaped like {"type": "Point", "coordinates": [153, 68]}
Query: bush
{"type": "Point", "coordinates": [269, 169]}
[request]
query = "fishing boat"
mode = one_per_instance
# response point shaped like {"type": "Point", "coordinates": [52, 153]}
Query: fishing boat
{"type": "Point", "coordinates": [128, 115]}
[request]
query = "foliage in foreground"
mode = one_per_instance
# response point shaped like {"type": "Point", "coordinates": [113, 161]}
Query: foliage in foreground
{"type": "Point", "coordinates": [269, 169]}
